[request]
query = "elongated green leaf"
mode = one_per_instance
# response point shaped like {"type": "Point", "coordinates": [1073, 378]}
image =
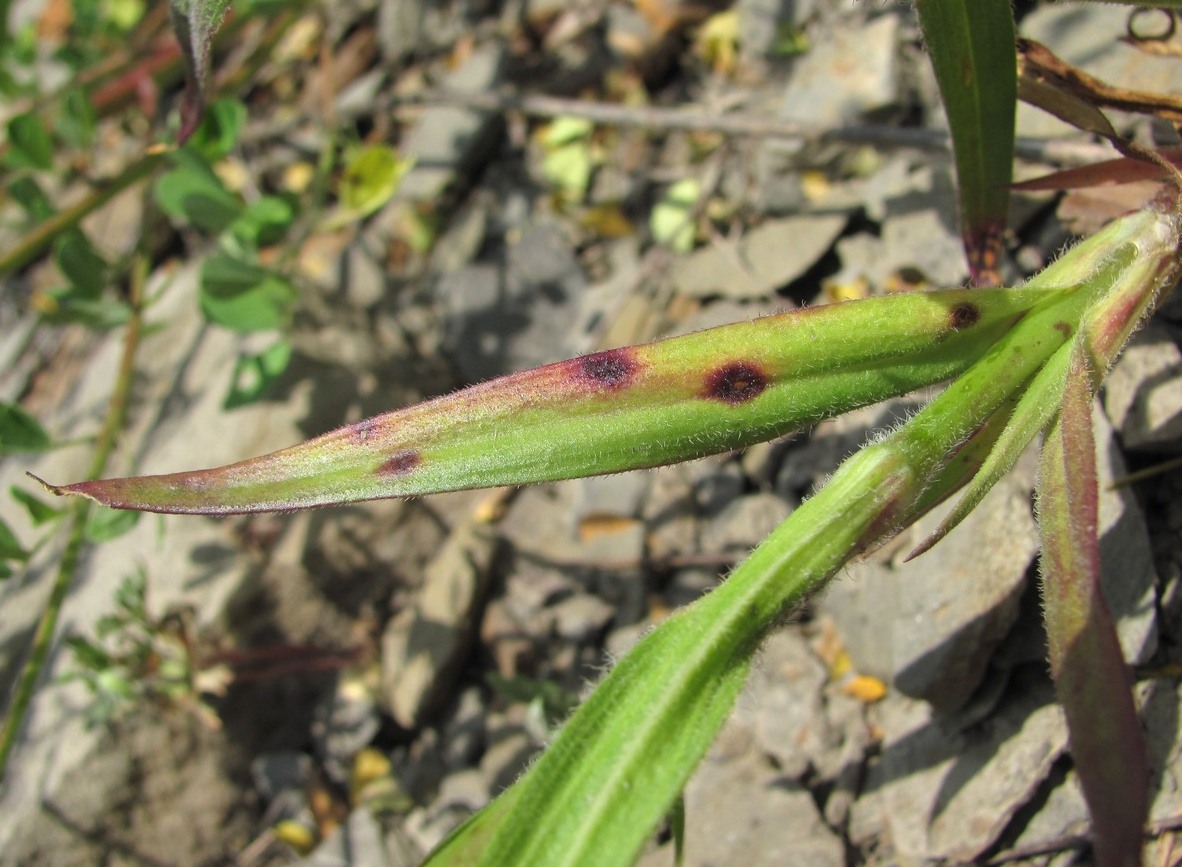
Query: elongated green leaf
{"type": "Point", "coordinates": [105, 525]}
{"type": "Point", "coordinates": [20, 432]}
{"type": "Point", "coordinates": [39, 512]}
{"type": "Point", "coordinates": [1134, 263]}
{"type": "Point", "coordinates": [626, 754]}
{"type": "Point", "coordinates": [621, 409]}
{"type": "Point", "coordinates": [629, 749]}
{"type": "Point", "coordinates": [195, 23]}
{"type": "Point", "coordinates": [971, 43]}
{"type": "Point", "coordinates": [1092, 681]}
{"type": "Point", "coordinates": [10, 546]}
{"type": "Point", "coordinates": [29, 144]}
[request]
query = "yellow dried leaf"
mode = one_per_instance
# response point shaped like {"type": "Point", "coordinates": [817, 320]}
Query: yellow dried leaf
{"type": "Point", "coordinates": [717, 42]}
{"type": "Point", "coordinates": [865, 688]}
{"type": "Point", "coordinates": [300, 838]}
{"type": "Point", "coordinates": [598, 526]}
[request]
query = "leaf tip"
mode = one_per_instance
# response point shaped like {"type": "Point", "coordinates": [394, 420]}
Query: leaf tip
{"type": "Point", "coordinates": [56, 490]}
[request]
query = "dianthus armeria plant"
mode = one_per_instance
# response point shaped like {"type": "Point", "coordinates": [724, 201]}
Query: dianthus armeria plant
{"type": "Point", "coordinates": [1020, 362]}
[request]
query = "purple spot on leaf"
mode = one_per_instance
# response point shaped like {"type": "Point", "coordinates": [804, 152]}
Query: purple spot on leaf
{"type": "Point", "coordinates": [401, 463]}
{"type": "Point", "coordinates": [963, 315]}
{"type": "Point", "coordinates": [612, 369]}
{"type": "Point", "coordinates": [736, 382]}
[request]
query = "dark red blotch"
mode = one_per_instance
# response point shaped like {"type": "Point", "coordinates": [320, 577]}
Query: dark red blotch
{"type": "Point", "coordinates": [612, 369]}
{"type": "Point", "coordinates": [964, 315]}
{"type": "Point", "coordinates": [401, 463]}
{"type": "Point", "coordinates": [736, 382]}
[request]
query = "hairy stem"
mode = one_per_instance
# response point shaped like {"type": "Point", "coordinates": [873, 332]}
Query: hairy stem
{"type": "Point", "coordinates": [30, 675]}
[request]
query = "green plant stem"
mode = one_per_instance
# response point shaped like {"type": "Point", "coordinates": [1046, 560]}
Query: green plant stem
{"type": "Point", "coordinates": [32, 244]}
{"type": "Point", "coordinates": [47, 626]}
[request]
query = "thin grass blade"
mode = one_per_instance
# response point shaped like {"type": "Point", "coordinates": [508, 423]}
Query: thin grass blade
{"type": "Point", "coordinates": [971, 44]}
{"type": "Point", "coordinates": [1092, 681]}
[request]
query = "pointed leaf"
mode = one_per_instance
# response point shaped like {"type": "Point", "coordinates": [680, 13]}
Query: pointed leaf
{"type": "Point", "coordinates": [1027, 419]}
{"type": "Point", "coordinates": [254, 374]}
{"type": "Point", "coordinates": [195, 22]}
{"type": "Point", "coordinates": [38, 511]}
{"type": "Point", "coordinates": [10, 546]}
{"type": "Point", "coordinates": [244, 296]}
{"type": "Point", "coordinates": [625, 755]}
{"type": "Point", "coordinates": [627, 752]}
{"type": "Point", "coordinates": [620, 409]}
{"type": "Point", "coordinates": [1124, 170]}
{"type": "Point", "coordinates": [971, 43]}
{"type": "Point", "coordinates": [29, 144]}
{"type": "Point", "coordinates": [1138, 256]}
{"type": "Point", "coordinates": [1092, 681]}
{"type": "Point", "coordinates": [20, 432]}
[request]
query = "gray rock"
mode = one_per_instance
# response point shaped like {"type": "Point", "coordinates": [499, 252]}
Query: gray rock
{"type": "Point", "coordinates": [1063, 814]}
{"type": "Point", "coordinates": [400, 24]}
{"type": "Point", "coordinates": [1087, 36]}
{"type": "Point", "coordinates": [275, 773]}
{"type": "Point", "coordinates": [516, 315]}
{"type": "Point", "coordinates": [358, 842]}
{"type": "Point", "coordinates": [670, 513]}
{"type": "Point", "coordinates": [942, 794]}
{"type": "Point", "coordinates": [448, 143]}
{"type": "Point", "coordinates": [930, 626]}
{"type": "Point", "coordinates": [361, 276]}
{"type": "Point", "coordinates": [1143, 391]}
{"type": "Point", "coordinates": [760, 22]}
{"type": "Point", "coordinates": [424, 647]}
{"type": "Point", "coordinates": [851, 72]}
{"type": "Point", "coordinates": [1161, 709]}
{"type": "Point", "coordinates": [509, 753]}
{"type": "Point", "coordinates": [621, 640]}
{"type": "Point", "coordinates": [345, 722]}
{"type": "Point", "coordinates": [716, 486]}
{"type": "Point", "coordinates": [689, 583]}
{"type": "Point", "coordinates": [920, 228]}
{"type": "Point", "coordinates": [463, 734]}
{"type": "Point", "coordinates": [784, 693]}
{"type": "Point", "coordinates": [744, 523]}
{"type": "Point", "coordinates": [616, 496]}
{"type": "Point", "coordinates": [726, 825]}
{"type": "Point", "coordinates": [767, 258]}
{"type": "Point", "coordinates": [582, 618]}
{"type": "Point", "coordinates": [465, 233]}
{"type": "Point", "coordinates": [467, 789]}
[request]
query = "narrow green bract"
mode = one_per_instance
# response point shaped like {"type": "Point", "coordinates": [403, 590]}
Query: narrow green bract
{"type": "Point", "coordinates": [971, 44]}
{"type": "Point", "coordinates": [621, 409]}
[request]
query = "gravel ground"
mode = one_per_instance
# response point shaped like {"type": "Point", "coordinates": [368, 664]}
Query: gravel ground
{"type": "Point", "coordinates": [391, 666]}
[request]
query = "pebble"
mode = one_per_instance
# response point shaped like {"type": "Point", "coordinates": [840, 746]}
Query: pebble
{"type": "Point", "coordinates": [1143, 391]}
{"type": "Point", "coordinates": [767, 258]}
{"type": "Point", "coordinates": [424, 647]}
{"type": "Point", "coordinates": [930, 626]}
{"type": "Point", "coordinates": [938, 793]}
